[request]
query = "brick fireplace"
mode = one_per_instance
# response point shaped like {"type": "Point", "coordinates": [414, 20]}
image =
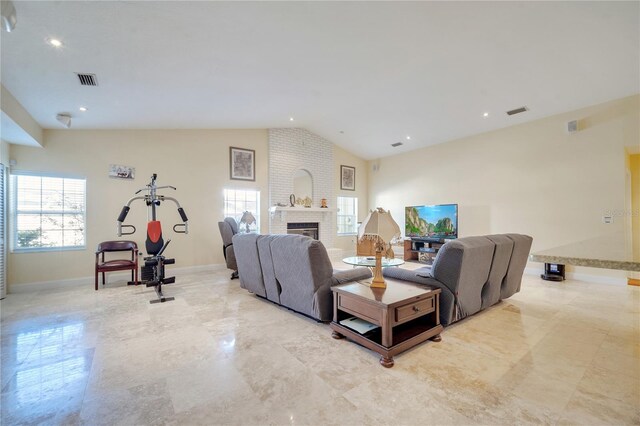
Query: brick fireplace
{"type": "Point", "coordinates": [289, 151]}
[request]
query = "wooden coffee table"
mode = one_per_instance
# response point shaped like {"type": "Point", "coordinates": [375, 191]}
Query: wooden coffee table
{"type": "Point", "coordinates": [406, 314]}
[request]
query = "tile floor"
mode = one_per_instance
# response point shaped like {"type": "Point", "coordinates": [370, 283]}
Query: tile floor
{"type": "Point", "coordinates": [555, 353]}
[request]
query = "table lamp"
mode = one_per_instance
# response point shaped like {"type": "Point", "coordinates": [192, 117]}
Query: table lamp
{"type": "Point", "coordinates": [247, 219]}
{"type": "Point", "coordinates": [379, 227]}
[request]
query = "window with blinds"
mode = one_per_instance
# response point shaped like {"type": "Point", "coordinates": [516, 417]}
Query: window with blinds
{"type": "Point", "coordinates": [49, 212]}
{"type": "Point", "coordinates": [237, 201]}
{"type": "Point", "coordinates": [3, 221]}
{"type": "Point", "coordinates": [347, 217]}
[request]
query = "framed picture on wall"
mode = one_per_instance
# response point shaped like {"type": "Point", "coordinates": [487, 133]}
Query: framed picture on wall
{"type": "Point", "coordinates": [242, 163]}
{"type": "Point", "coordinates": [122, 172]}
{"type": "Point", "coordinates": [348, 178]}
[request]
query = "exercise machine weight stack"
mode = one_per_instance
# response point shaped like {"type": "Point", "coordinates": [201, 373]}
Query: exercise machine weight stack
{"type": "Point", "coordinates": [152, 273]}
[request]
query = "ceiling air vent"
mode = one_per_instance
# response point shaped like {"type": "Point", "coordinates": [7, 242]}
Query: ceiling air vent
{"type": "Point", "coordinates": [396, 144]}
{"type": "Point", "coordinates": [517, 110]}
{"type": "Point", "coordinates": [87, 79]}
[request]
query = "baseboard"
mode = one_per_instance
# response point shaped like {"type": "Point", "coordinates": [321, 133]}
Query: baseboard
{"type": "Point", "coordinates": [578, 276]}
{"type": "Point", "coordinates": [111, 277]}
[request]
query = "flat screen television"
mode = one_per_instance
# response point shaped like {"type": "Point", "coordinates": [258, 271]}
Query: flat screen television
{"type": "Point", "coordinates": [439, 221]}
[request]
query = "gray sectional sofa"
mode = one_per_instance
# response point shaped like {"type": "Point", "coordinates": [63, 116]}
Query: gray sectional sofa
{"type": "Point", "coordinates": [473, 273]}
{"type": "Point", "coordinates": [291, 270]}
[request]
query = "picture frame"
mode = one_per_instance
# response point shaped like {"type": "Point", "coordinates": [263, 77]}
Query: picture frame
{"type": "Point", "coordinates": [119, 171]}
{"type": "Point", "coordinates": [347, 178]}
{"type": "Point", "coordinates": [242, 164]}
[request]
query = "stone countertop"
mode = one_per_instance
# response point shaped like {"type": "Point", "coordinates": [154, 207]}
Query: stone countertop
{"type": "Point", "coordinates": [607, 252]}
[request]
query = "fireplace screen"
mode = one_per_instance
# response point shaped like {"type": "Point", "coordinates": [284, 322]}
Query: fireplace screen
{"type": "Point", "coordinates": [310, 229]}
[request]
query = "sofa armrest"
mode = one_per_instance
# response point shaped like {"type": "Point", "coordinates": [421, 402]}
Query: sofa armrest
{"type": "Point", "coordinates": [418, 276]}
{"type": "Point", "coordinates": [349, 275]}
{"type": "Point", "coordinates": [424, 272]}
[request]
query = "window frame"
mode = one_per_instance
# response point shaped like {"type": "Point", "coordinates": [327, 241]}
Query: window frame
{"type": "Point", "coordinates": [355, 216]}
{"type": "Point", "coordinates": [13, 193]}
{"type": "Point", "coordinates": [256, 214]}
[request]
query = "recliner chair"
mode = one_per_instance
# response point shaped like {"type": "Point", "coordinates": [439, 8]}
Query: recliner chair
{"type": "Point", "coordinates": [229, 228]}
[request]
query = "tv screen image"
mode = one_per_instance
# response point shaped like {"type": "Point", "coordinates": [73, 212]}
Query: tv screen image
{"type": "Point", "coordinates": [438, 221]}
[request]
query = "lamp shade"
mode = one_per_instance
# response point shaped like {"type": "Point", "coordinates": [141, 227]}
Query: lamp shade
{"type": "Point", "coordinates": [379, 225]}
{"type": "Point", "coordinates": [248, 218]}
{"type": "Point", "coordinates": [9, 17]}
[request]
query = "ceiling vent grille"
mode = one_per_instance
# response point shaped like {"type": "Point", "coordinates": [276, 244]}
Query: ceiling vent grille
{"type": "Point", "coordinates": [517, 110]}
{"type": "Point", "coordinates": [396, 144]}
{"type": "Point", "coordinates": [87, 79]}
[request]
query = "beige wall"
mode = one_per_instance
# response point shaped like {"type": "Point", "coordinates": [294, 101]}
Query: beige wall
{"type": "Point", "coordinates": [343, 157]}
{"type": "Point", "coordinates": [4, 153]}
{"type": "Point", "coordinates": [533, 178]}
{"type": "Point", "coordinates": [194, 161]}
{"type": "Point", "coordinates": [19, 115]}
{"type": "Point", "coordinates": [635, 203]}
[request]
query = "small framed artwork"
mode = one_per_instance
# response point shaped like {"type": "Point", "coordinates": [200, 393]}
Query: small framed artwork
{"type": "Point", "coordinates": [348, 178]}
{"type": "Point", "coordinates": [242, 163]}
{"type": "Point", "coordinates": [122, 172]}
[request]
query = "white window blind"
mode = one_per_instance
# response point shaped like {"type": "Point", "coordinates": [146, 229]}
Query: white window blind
{"type": "Point", "coordinates": [347, 215]}
{"type": "Point", "coordinates": [3, 221]}
{"type": "Point", "coordinates": [49, 212]}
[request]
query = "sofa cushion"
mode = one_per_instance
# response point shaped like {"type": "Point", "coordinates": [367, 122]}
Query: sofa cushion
{"type": "Point", "coordinates": [271, 284]}
{"type": "Point", "coordinates": [303, 270]}
{"type": "Point", "coordinates": [513, 279]}
{"type": "Point", "coordinates": [248, 262]}
{"type": "Point", "coordinates": [499, 265]}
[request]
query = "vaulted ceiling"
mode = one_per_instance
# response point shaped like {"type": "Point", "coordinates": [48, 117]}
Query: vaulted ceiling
{"type": "Point", "coordinates": [362, 74]}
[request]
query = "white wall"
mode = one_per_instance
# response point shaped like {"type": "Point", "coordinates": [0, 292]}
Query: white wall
{"type": "Point", "coordinates": [195, 161]}
{"type": "Point", "coordinates": [634, 161]}
{"type": "Point", "coordinates": [533, 178]}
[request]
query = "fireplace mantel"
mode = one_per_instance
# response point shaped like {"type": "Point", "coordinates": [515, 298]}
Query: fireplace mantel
{"type": "Point", "coordinates": [282, 211]}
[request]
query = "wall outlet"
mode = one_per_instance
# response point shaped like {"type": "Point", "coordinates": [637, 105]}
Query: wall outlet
{"type": "Point", "coordinates": [607, 219]}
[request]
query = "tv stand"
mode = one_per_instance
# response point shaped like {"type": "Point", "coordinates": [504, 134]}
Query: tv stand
{"type": "Point", "coordinates": [423, 249]}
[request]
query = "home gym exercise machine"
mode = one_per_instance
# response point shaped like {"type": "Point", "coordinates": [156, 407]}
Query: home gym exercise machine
{"type": "Point", "coordinates": [152, 273]}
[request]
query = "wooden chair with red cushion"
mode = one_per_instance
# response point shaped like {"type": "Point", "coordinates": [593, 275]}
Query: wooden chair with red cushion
{"type": "Point", "coordinates": [103, 265]}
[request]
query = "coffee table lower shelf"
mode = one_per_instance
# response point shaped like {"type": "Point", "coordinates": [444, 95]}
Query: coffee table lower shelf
{"type": "Point", "coordinates": [406, 339]}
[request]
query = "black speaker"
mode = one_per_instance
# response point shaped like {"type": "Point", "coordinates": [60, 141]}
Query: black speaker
{"type": "Point", "coordinates": [553, 272]}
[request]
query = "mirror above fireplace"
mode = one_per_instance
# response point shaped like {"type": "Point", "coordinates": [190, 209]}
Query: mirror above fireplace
{"type": "Point", "coordinates": [302, 184]}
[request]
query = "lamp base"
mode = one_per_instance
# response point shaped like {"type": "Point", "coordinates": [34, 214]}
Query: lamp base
{"type": "Point", "coordinates": [378, 283]}
{"type": "Point", "coordinates": [378, 279]}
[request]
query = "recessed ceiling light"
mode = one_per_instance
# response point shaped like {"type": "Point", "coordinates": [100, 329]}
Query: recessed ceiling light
{"type": "Point", "coordinates": [485, 115]}
{"type": "Point", "coordinates": [54, 42]}
{"type": "Point", "coordinates": [290, 118]}
{"type": "Point", "coordinates": [83, 109]}
{"type": "Point", "coordinates": [408, 138]}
